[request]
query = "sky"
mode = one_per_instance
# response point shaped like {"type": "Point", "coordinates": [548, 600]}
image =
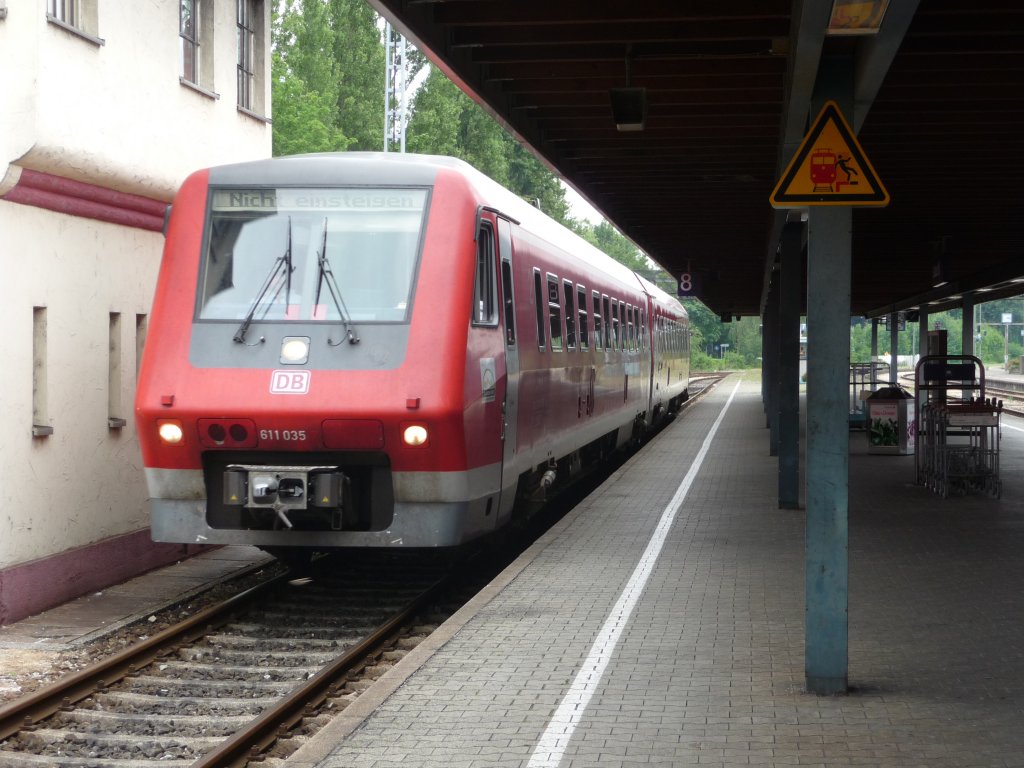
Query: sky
{"type": "Point", "coordinates": [580, 208]}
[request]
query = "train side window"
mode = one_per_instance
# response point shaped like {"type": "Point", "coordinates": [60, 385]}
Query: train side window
{"type": "Point", "coordinates": [570, 315]}
{"type": "Point", "coordinates": [554, 313]}
{"type": "Point", "coordinates": [581, 307]}
{"type": "Point", "coordinates": [616, 328]}
{"type": "Point", "coordinates": [538, 295]}
{"type": "Point", "coordinates": [607, 322]}
{"type": "Point", "coordinates": [510, 315]}
{"type": "Point", "coordinates": [598, 328]}
{"type": "Point", "coordinates": [642, 334]}
{"type": "Point", "coordinates": [631, 315]}
{"type": "Point", "coordinates": [485, 299]}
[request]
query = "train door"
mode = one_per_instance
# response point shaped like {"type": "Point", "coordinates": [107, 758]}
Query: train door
{"type": "Point", "coordinates": [510, 405]}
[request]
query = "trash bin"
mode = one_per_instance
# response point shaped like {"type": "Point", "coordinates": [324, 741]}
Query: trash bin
{"type": "Point", "coordinates": [888, 428]}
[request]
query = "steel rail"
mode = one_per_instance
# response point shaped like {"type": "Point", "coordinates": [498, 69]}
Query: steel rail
{"type": "Point", "coordinates": [275, 721]}
{"type": "Point", "coordinates": [40, 704]}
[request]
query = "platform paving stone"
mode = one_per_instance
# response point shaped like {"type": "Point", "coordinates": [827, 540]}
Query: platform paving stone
{"type": "Point", "coordinates": [709, 670]}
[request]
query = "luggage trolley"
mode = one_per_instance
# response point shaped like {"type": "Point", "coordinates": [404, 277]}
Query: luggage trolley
{"type": "Point", "coordinates": [957, 440]}
{"type": "Point", "coordinates": [865, 378]}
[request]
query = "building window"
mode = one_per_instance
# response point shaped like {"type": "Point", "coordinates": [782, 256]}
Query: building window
{"type": "Point", "coordinates": [66, 11]}
{"type": "Point", "coordinates": [80, 17]}
{"type": "Point", "coordinates": [195, 36]}
{"type": "Point", "coordinates": [251, 54]}
{"type": "Point", "coordinates": [188, 30]}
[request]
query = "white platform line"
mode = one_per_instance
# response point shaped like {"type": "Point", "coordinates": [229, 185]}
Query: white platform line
{"type": "Point", "coordinates": [549, 750]}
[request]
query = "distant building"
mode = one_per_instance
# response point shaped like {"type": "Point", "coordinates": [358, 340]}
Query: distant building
{"type": "Point", "coordinates": [104, 109]}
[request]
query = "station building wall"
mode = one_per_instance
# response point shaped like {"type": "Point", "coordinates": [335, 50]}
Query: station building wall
{"type": "Point", "coordinates": [98, 128]}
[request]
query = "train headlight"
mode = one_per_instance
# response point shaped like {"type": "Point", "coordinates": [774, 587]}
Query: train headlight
{"type": "Point", "coordinates": [294, 350]}
{"type": "Point", "coordinates": [170, 431]}
{"type": "Point", "coordinates": [415, 435]}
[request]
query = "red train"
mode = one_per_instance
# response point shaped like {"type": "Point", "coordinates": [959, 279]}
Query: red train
{"type": "Point", "coordinates": [381, 350]}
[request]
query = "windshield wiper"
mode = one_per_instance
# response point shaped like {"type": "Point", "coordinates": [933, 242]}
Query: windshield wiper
{"type": "Point", "coordinates": [283, 262]}
{"type": "Point", "coordinates": [325, 275]}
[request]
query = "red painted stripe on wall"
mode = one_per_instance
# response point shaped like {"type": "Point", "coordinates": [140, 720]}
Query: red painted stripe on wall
{"type": "Point", "coordinates": [77, 198]}
{"type": "Point", "coordinates": [29, 588]}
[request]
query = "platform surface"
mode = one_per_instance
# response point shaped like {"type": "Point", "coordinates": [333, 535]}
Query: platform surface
{"type": "Point", "coordinates": [95, 615]}
{"type": "Point", "coordinates": [707, 667]}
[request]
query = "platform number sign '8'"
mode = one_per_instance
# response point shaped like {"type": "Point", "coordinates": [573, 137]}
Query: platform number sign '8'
{"type": "Point", "coordinates": [687, 284]}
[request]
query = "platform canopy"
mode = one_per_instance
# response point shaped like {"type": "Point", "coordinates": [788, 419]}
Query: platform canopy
{"type": "Point", "coordinates": [676, 119]}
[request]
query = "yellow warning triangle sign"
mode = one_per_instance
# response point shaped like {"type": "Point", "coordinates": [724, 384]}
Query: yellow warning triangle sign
{"type": "Point", "coordinates": [829, 168]}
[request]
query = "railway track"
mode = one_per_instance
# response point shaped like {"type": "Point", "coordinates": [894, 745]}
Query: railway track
{"type": "Point", "coordinates": [236, 681]}
{"type": "Point", "coordinates": [220, 686]}
{"type": "Point", "coordinates": [1013, 400]}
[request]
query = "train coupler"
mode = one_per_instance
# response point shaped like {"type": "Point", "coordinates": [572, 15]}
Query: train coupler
{"type": "Point", "coordinates": [283, 488]}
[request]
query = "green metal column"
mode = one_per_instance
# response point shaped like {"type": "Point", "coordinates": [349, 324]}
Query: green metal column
{"type": "Point", "coordinates": [922, 331]}
{"type": "Point", "coordinates": [967, 324]}
{"type": "Point", "coordinates": [826, 541]}
{"type": "Point", "coordinates": [770, 363]}
{"type": "Point", "coordinates": [790, 277]}
{"type": "Point", "coordinates": [894, 346]}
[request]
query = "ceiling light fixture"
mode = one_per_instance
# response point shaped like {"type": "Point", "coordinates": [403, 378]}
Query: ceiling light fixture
{"type": "Point", "coordinates": [629, 104]}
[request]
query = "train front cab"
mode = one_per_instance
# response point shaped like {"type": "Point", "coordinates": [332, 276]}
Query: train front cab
{"type": "Point", "coordinates": [344, 408]}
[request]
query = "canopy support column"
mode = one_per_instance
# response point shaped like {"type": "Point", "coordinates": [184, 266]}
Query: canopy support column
{"type": "Point", "coordinates": [826, 541]}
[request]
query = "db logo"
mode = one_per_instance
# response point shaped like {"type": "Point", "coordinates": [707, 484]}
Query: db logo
{"type": "Point", "coordinates": [289, 382]}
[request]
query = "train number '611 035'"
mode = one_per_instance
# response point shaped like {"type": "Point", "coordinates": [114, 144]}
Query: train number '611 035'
{"type": "Point", "coordinates": [283, 435]}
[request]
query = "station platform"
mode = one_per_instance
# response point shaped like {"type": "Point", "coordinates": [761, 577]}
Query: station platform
{"type": "Point", "coordinates": [699, 659]}
{"type": "Point", "coordinates": [704, 665]}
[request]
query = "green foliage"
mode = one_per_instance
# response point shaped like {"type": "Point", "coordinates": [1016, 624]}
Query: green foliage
{"type": "Point", "coordinates": [303, 118]}
{"type": "Point", "coordinates": [435, 127]}
{"type": "Point", "coordinates": [990, 334]}
{"type": "Point", "coordinates": [358, 49]}
{"type": "Point", "coordinates": [706, 331]}
{"type": "Point", "coordinates": [327, 70]}
{"type": "Point", "coordinates": [702, 361]}
{"type": "Point", "coordinates": [304, 81]}
{"type": "Point", "coordinates": [609, 240]}
{"type": "Point", "coordinates": [445, 121]}
{"type": "Point", "coordinates": [531, 179]}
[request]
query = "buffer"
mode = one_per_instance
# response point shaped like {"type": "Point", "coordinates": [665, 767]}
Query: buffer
{"type": "Point", "coordinates": [829, 168]}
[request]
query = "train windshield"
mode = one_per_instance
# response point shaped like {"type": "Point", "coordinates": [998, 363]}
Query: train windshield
{"type": "Point", "coordinates": [267, 249]}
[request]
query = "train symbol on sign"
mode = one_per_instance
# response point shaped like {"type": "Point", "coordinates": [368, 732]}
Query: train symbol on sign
{"type": "Point", "coordinates": [289, 382]}
{"type": "Point", "coordinates": [825, 168]}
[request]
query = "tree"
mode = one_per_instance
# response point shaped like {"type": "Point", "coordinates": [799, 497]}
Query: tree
{"type": "Point", "coordinates": [327, 77]}
{"type": "Point", "coordinates": [531, 179]}
{"type": "Point", "coordinates": [304, 81]}
{"type": "Point", "coordinates": [358, 50]}
{"type": "Point", "coordinates": [609, 240]}
{"type": "Point", "coordinates": [705, 326]}
{"type": "Point", "coordinates": [445, 121]}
